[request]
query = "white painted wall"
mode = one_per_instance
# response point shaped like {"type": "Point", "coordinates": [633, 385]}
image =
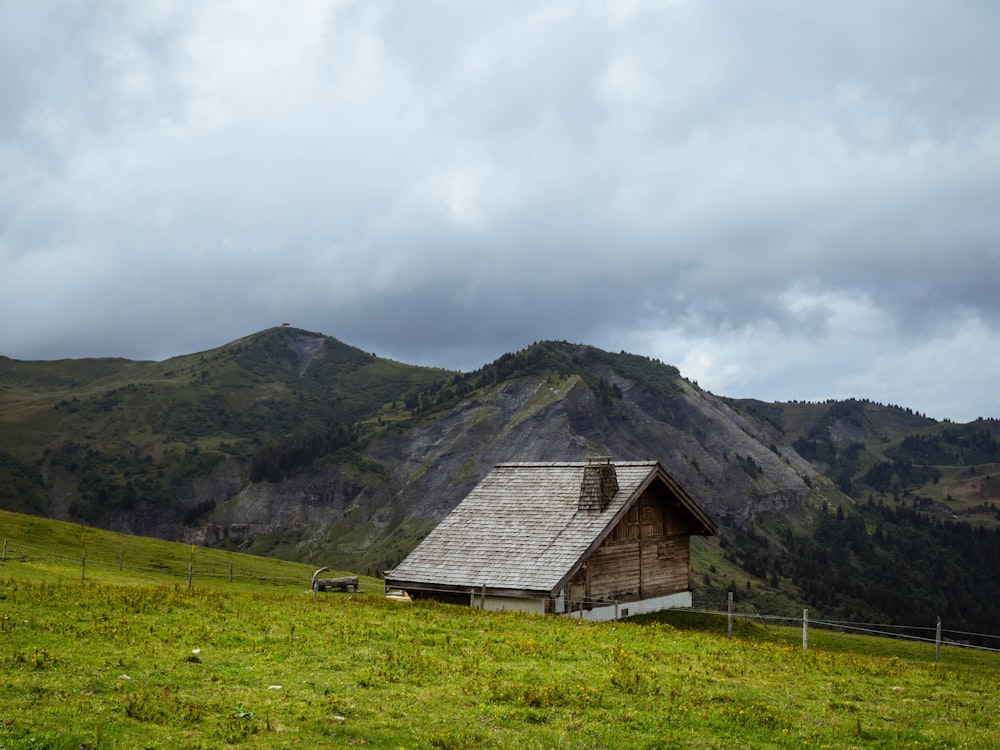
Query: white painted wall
{"type": "Point", "coordinates": [628, 609]}
{"type": "Point", "coordinates": [601, 613]}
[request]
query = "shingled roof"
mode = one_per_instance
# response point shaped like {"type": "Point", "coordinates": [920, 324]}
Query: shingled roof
{"type": "Point", "coordinates": [525, 528]}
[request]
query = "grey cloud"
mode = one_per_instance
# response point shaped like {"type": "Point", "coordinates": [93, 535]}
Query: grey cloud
{"type": "Point", "coordinates": [444, 182]}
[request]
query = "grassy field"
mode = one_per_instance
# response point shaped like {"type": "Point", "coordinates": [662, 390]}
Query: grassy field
{"type": "Point", "coordinates": [129, 660]}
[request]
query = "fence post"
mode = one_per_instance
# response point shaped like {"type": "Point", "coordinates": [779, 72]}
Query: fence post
{"type": "Point", "coordinates": [805, 630]}
{"type": "Point", "coordinates": [4, 550]}
{"type": "Point", "coordinates": [121, 558]}
{"type": "Point", "coordinates": [729, 627]}
{"type": "Point", "coordinates": [937, 640]}
{"type": "Point", "coordinates": [83, 567]}
{"type": "Point", "coordinates": [230, 572]}
{"type": "Point", "coordinates": [190, 573]}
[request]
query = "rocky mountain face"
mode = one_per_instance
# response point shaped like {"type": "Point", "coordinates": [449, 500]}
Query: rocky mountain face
{"type": "Point", "coordinates": [220, 447]}
{"type": "Point", "coordinates": [407, 476]}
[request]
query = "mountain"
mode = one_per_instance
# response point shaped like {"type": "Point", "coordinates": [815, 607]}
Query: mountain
{"type": "Point", "coordinates": [296, 445]}
{"type": "Point", "coordinates": [875, 451]}
{"type": "Point", "coordinates": [139, 446]}
{"type": "Point", "coordinates": [921, 534]}
{"type": "Point", "coordinates": [551, 402]}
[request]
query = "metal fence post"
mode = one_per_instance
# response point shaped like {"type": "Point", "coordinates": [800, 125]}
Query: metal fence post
{"type": "Point", "coordinates": [937, 640]}
{"type": "Point", "coordinates": [729, 628]}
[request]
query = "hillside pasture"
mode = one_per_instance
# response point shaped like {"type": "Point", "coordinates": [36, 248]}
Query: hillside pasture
{"type": "Point", "coordinates": [92, 664]}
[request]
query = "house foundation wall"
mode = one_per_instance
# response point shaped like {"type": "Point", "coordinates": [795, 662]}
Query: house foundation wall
{"type": "Point", "coordinates": [606, 612]}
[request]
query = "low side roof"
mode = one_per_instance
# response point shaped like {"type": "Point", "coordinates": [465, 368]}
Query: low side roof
{"type": "Point", "coordinates": [521, 528]}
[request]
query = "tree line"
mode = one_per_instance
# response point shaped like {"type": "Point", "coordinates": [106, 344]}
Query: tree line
{"type": "Point", "coordinates": [286, 459]}
{"type": "Point", "coordinates": [889, 563]}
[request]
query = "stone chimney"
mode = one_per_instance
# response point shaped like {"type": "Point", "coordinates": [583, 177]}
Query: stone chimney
{"type": "Point", "coordinates": [600, 483]}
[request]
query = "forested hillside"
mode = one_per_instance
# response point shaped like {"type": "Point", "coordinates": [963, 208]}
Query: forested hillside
{"type": "Point", "coordinates": [296, 445]}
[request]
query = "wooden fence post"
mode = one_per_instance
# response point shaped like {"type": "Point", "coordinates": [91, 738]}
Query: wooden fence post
{"type": "Point", "coordinates": [230, 572]}
{"type": "Point", "coordinates": [190, 573]}
{"type": "Point", "coordinates": [729, 627]}
{"type": "Point", "coordinates": [83, 567]}
{"type": "Point", "coordinates": [4, 550]}
{"type": "Point", "coordinates": [937, 640]}
{"type": "Point", "coordinates": [121, 559]}
{"type": "Point", "coordinates": [805, 630]}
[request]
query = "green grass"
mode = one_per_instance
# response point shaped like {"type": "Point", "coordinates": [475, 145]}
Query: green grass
{"type": "Point", "coordinates": [128, 662]}
{"type": "Point", "coordinates": [45, 550]}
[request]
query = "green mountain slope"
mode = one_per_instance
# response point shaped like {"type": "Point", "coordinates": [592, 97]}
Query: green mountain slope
{"type": "Point", "coordinates": [890, 454]}
{"type": "Point", "coordinates": [295, 445]}
{"type": "Point", "coordinates": [921, 536]}
{"type": "Point", "coordinates": [138, 445]}
{"type": "Point", "coordinates": [44, 549]}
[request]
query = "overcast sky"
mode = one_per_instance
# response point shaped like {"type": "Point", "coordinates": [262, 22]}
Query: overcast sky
{"type": "Point", "coordinates": [785, 199]}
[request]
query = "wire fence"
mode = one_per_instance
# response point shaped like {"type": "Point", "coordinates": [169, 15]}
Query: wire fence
{"type": "Point", "coordinates": [936, 634]}
{"type": "Point", "coordinates": [27, 553]}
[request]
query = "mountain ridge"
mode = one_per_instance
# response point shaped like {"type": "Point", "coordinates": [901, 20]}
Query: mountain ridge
{"type": "Point", "coordinates": [302, 383]}
{"type": "Point", "coordinates": [293, 444]}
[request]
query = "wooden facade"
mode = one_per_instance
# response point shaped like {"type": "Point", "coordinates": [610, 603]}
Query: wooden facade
{"type": "Point", "coordinates": [595, 539]}
{"type": "Point", "coordinates": [647, 554]}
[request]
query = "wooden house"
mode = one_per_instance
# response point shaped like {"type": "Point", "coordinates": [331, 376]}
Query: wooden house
{"type": "Point", "coordinates": [595, 539]}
